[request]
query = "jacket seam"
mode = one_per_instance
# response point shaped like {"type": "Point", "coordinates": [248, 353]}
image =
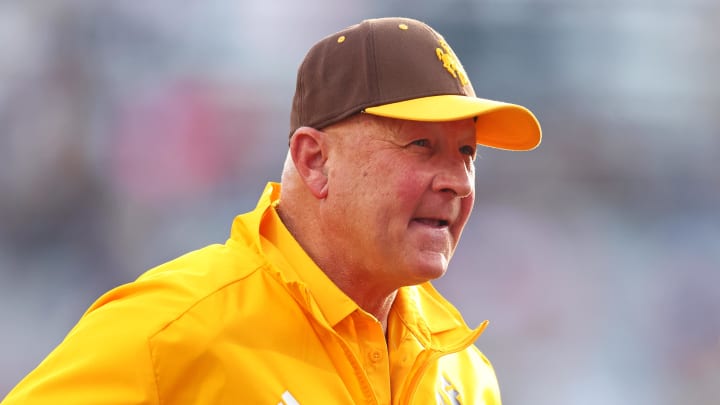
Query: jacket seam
{"type": "Point", "coordinates": [202, 298]}
{"type": "Point", "coordinates": [153, 347]}
{"type": "Point", "coordinates": [156, 372]}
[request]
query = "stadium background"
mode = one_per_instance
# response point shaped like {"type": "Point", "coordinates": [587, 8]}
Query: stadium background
{"type": "Point", "coordinates": [132, 132]}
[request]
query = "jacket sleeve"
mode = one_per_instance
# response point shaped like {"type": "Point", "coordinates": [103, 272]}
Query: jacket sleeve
{"type": "Point", "coordinates": [105, 359]}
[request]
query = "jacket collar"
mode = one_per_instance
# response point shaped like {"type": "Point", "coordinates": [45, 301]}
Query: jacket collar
{"type": "Point", "coordinates": [436, 324]}
{"type": "Point", "coordinates": [265, 230]}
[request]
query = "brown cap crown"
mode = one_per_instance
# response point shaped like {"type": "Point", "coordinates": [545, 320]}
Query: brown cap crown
{"type": "Point", "coordinates": [404, 69]}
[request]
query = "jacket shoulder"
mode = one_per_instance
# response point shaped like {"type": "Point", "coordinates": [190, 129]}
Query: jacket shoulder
{"type": "Point", "coordinates": [110, 353]}
{"type": "Point", "coordinates": [165, 292]}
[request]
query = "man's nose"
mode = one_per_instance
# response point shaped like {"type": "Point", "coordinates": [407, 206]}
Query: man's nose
{"type": "Point", "coordinates": [456, 177]}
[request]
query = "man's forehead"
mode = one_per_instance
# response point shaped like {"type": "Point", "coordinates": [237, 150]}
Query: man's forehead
{"type": "Point", "coordinates": [461, 129]}
{"type": "Point", "coordinates": [371, 127]}
{"type": "Point", "coordinates": [365, 124]}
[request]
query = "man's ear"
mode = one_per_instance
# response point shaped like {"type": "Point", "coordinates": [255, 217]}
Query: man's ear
{"type": "Point", "coordinates": [308, 148]}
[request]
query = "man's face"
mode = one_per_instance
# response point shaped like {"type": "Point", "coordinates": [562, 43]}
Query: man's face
{"type": "Point", "coordinates": [399, 196]}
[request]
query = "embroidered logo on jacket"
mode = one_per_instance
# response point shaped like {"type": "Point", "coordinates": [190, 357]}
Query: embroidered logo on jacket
{"type": "Point", "coordinates": [447, 394]}
{"type": "Point", "coordinates": [288, 399]}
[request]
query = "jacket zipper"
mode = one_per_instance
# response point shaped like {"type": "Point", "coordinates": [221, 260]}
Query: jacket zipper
{"type": "Point", "coordinates": [426, 357]}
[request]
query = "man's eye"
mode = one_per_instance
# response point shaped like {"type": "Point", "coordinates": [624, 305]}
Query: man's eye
{"type": "Point", "coordinates": [421, 142]}
{"type": "Point", "coordinates": [468, 150]}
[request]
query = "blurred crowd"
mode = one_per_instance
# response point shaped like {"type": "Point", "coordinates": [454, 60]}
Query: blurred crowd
{"type": "Point", "coordinates": [132, 132]}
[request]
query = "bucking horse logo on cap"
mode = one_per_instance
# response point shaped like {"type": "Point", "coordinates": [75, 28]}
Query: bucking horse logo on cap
{"type": "Point", "coordinates": [450, 62]}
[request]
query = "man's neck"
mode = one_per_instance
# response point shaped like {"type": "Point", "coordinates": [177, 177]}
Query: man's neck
{"type": "Point", "coordinates": [371, 300]}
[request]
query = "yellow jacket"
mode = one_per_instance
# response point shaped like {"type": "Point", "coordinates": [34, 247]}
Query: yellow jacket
{"type": "Point", "coordinates": [255, 321]}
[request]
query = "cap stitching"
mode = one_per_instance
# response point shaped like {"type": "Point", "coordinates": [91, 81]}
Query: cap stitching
{"type": "Point", "coordinates": [301, 92]}
{"type": "Point", "coordinates": [372, 52]}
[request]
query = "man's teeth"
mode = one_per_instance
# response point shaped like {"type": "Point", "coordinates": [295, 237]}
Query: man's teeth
{"type": "Point", "coordinates": [432, 222]}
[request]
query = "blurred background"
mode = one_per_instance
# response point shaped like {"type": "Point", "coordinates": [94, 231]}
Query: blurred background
{"type": "Point", "coordinates": [132, 132]}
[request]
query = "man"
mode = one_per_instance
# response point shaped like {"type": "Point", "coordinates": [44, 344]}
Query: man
{"type": "Point", "coordinates": [321, 295]}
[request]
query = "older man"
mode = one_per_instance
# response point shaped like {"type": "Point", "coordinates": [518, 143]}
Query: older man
{"type": "Point", "coordinates": [321, 294]}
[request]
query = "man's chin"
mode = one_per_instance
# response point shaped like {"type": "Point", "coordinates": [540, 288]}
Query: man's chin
{"type": "Point", "coordinates": [427, 270]}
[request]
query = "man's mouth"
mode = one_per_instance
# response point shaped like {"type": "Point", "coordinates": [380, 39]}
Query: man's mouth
{"type": "Point", "coordinates": [433, 222]}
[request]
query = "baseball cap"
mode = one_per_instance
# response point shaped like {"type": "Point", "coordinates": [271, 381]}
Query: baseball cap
{"type": "Point", "coordinates": [401, 68]}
